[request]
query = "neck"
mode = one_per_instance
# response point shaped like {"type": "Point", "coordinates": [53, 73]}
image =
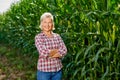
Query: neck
{"type": "Point", "coordinates": [48, 33]}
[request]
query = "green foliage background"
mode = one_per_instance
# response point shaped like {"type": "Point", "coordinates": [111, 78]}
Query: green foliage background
{"type": "Point", "coordinates": [89, 28]}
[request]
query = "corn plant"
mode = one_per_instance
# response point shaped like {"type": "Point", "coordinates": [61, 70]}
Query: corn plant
{"type": "Point", "coordinates": [89, 28]}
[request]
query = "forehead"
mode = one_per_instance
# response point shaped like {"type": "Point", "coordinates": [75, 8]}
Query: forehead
{"type": "Point", "coordinates": [47, 19]}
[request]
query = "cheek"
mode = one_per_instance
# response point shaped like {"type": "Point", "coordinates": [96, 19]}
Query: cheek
{"type": "Point", "coordinates": [43, 24]}
{"type": "Point", "coordinates": [51, 26]}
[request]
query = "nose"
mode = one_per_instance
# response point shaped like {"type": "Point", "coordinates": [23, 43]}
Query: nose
{"type": "Point", "coordinates": [47, 25]}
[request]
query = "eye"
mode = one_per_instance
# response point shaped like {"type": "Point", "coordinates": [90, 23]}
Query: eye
{"type": "Point", "coordinates": [44, 22]}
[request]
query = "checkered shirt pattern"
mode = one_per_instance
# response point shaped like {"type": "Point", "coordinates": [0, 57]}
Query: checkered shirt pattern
{"type": "Point", "coordinates": [44, 44]}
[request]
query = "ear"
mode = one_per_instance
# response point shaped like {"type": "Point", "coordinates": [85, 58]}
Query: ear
{"type": "Point", "coordinates": [53, 28]}
{"type": "Point", "coordinates": [40, 26]}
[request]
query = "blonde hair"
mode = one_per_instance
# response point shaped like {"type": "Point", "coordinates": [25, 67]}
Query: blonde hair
{"type": "Point", "coordinates": [47, 15]}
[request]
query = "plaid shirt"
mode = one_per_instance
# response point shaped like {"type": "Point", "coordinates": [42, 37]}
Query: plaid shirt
{"type": "Point", "coordinates": [44, 44]}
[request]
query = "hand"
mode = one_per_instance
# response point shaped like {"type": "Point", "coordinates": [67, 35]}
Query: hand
{"type": "Point", "coordinates": [57, 55]}
{"type": "Point", "coordinates": [53, 52]}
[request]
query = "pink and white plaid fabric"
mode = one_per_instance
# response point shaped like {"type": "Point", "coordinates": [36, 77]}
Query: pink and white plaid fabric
{"type": "Point", "coordinates": [44, 44]}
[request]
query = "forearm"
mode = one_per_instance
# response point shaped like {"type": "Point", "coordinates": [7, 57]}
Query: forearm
{"type": "Point", "coordinates": [54, 53]}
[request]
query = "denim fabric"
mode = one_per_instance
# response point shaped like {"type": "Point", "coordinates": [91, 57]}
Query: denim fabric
{"type": "Point", "coordinates": [49, 75]}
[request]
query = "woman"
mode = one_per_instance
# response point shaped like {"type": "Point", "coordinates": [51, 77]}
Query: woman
{"type": "Point", "coordinates": [51, 49]}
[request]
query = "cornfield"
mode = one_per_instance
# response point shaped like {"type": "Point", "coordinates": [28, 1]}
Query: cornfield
{"type": "Point", "coordinates": [89, 28]}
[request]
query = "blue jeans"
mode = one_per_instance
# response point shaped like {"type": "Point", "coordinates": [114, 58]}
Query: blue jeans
{"type": "Point", "coordinates": [49, 75]}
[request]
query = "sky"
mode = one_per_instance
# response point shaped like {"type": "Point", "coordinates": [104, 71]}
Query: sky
{"type": "Point", "coordinates": [5, 5]}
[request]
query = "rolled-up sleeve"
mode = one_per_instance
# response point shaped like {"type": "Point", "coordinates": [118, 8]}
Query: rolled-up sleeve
{"type": "Point", "coordinates": [43, 52]}
{"type": "Point", "coordinates": [62, 48]}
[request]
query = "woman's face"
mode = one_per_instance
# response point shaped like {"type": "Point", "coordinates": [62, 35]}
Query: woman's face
{"type": "Point", "coordinates": [47, 24]}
